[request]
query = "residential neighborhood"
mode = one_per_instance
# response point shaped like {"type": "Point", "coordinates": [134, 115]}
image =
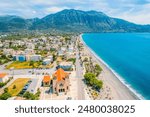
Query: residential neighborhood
{"type": "Point", "coordinates": [43, 68]}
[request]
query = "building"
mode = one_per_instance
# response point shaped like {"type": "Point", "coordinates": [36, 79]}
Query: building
{"type": "Point", "coordinates": [20, 58]}
{"type": "Point", "coordinates": [69, 55]}
{"type": "Point", "coordinates": [33, 57]}
{"type": "Point", "coordinates": [8, 51]}
{"type": "Point", "coordinates": [61, 82]}
{"type": "Point", "coordinates": [50, 57]}
{"type": "Point", "coordinates": [46, 81]}
{"type": "Point", "coordinates": [30, 46]}
{"type": "Point", "coordinates": [29, 51]}
{"type": "Point", "coordinates": [61, 53]}
{"type": "Point", "coordinates": [3, 77]}
{"type": "Point", "coordinates": [48, 60]}
{"type": "Point", "coordinates": [67, 66]}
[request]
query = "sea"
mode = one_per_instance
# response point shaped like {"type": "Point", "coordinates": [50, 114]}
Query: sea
{"type": "Point", "coordinates": [127, 55]}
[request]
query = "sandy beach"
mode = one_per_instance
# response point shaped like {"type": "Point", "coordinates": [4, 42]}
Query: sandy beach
{"type": "Point", "coordinates": [113, 87]}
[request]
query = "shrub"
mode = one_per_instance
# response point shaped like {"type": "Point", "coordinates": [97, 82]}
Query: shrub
{"type": "Point", "coordinates": [5, 96]}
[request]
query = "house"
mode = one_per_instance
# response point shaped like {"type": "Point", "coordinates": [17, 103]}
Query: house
{"type": "Point", "coordinates": [63, 49]}
{"type": "Point", "coordinates": [29, 51]}
{"type": "Point", "coordinates": [34, 57]}
{"type": "Point", "coordinates": [30, 46]}
{"type": "Point", "coordinates": [71, 48]}
{"type": "Point", "coordinates": [46, 61]}
{"type": "Point", "coordinates": [3, 77]}
{"type": "Point", "coordinates": [69, 55]}
{"type": "Point", "coordinates": [46, 81]}
{"type": "Point", "coordinates": [60, 53]}
{"type": "Point", "coordinates": [8, 51]}
{"type": "Point", "coordinates": [67, 66]}
{"type": "Point", "coordinates": [21, 43]}
{"type": "Point", "coordinates": [60, 82]}
{"type": "Point", "coordinates": [50, 57]}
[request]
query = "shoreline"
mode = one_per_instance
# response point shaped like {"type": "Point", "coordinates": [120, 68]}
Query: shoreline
{"type": "Point", "coordinates": [113, 79]}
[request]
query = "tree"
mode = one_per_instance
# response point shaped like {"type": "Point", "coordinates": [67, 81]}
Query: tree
{"type": "Point", "coordinates": [72, 60]}
{"type": "Point", "coordinates": [54, 57]}
{"type": "Point", "coordinates": [98, 84]}
{"type": "Point", "coordinates": [28, 95]}
{"type": "Point", "coordinates": [31, 96]}
{"type": "Point", "coordinates": [2, 84]}
{"type": "Point", "coordinates": [85, 59]}
{"type": "Point", "coordinates": [97, 69]}
{"type": "Point", "coordinates": [5, 96]}
{"type": "Point", "coordinates": [32, 63]}
{"type": "Point", "coordinates": [5, 90]}
{"type": "Point", "coordinates": [14, 87]}
{"type": "Point", "coordinates": [89, 78]}
{"type": "Point", "coordinates": [92, 81]}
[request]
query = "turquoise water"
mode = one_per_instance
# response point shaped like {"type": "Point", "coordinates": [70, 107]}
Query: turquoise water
{"type": "Point", "coordinates": [128, 54]}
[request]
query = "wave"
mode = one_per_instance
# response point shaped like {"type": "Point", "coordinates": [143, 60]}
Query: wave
{"type": "Point", "coordinates": [121, 79]}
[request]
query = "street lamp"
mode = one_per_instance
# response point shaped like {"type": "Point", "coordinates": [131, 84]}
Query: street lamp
{"type": "Point", "coordinates": [12, 69]}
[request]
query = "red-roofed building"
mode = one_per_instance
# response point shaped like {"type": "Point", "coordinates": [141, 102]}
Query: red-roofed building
{"type": "Point", "coordinates": [60, 81]}
{"type": "Point", "coordinates": [3, 77]}
{"type": "Point", "coordinates": [46, 81]}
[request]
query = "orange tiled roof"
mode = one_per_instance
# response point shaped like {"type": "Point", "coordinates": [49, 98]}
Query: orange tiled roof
{"type": "Point", "coordinates": [2, 75]}
{"type": "Point", "coordinates": [60, 74]}
{"type": "Point", "coordinates": [46, 79]}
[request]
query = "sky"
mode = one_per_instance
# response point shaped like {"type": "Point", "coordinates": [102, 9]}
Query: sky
{"type": "Point", "coordinates": [136, 11]}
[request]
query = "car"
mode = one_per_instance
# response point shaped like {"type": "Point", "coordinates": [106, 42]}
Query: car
{"type": "Point", "coordinates": [69, 98]}
{"type": "Point", "coordinates": [29, 81]}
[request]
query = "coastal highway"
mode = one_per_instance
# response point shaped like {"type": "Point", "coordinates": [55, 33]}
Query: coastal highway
{"type": "Point", "coordinates": [79, 75]}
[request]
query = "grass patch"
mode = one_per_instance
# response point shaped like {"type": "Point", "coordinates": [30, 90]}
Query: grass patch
{"type": "Point", "coordinates": [17, 86]}
{"type": "Point", "coordinates": [24, 65]}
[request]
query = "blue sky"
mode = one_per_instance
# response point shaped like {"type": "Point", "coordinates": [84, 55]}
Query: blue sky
{"type": "Point", "coordinates": [137, 11]}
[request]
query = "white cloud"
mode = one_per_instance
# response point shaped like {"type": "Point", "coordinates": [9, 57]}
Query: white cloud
{"type": "Point", "coordinates": [136, 11]}
{"type": "Point", "coordinates": [54, 9]}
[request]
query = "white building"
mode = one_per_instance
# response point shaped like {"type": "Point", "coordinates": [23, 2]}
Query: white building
{"type": "Point", "coordinates": [30, 46]}
{"type": "Point", "coordinates": [8, 51]}
{"type": "Point", "coordinates": [48, 60]}
{"type": "Point", "coordinates": [3, 77]}
{"type": "Point", "coordinates": [33, 57]}
{"type": "Point", "coordinates": [50, 57]}
{"type": "Point", "coordinates": [29, 51]}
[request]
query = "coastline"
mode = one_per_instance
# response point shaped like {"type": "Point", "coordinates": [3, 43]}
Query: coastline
{"type": "Point", "coordinates": [120, 90]}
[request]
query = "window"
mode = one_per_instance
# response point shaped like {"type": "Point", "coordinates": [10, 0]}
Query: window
{"type": "Point", "coordinates": [61, 85]}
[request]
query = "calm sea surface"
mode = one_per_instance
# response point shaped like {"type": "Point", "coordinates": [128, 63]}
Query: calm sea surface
{"type": "Point", "coordinates": [128, 54]}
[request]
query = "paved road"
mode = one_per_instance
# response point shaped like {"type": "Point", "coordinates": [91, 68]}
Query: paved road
{"type": "Point", "coordinates": [2, 67]}
{"type": "Point", "coordinates": [27, 71]}
{"type": "Point", "coordinates": [79, 75]}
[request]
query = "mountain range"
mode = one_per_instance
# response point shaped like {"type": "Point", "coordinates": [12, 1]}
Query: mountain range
{"type": "Point", "coordinates": [71, 21]}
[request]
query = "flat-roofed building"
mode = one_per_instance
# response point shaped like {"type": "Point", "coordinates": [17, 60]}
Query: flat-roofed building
{"type": "Point", "coordinates": [67, 66]}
